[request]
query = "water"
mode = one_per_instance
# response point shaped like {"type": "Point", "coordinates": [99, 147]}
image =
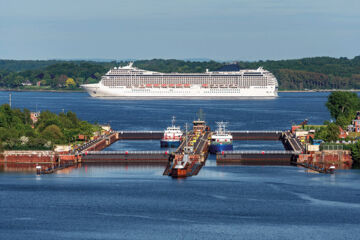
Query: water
{"type": "Point", "coordinates": [222, 202]}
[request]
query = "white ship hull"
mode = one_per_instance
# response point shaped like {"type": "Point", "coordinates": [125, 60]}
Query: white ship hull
{"type": "Point", "coordinates": [195, 91]}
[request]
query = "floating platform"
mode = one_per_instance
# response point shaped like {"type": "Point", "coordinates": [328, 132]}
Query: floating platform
{"type": "Point", "coordinates": [256, 157]}
{"type": "Point", "coordinates": [257, 135]}
{"type": "Point", "coordinates": [146, 157]}
{"type": "Point", "coordinates": [139, 135]}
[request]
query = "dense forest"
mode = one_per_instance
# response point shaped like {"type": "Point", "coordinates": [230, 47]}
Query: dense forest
{"type": "Point", "coordinates": [298, 74]}
{"type": "Point", "coordinates": [19, 132]}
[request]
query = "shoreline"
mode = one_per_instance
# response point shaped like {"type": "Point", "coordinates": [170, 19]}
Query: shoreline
{"type": "Point", "coordinates": [38, 90]}
{"type": "Point", "coordinates": [322, 90]}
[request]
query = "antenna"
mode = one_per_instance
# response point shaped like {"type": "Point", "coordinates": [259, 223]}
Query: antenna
{"type": "Point", "coordinates": [221, 127]}
{"type": "Point", "coordinates": [200, 115]}
{"type": "Point", "coordinates": [186, 134]}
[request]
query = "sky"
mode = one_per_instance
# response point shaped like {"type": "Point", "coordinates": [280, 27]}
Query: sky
{"type": "Point", "coordinates": [223, 30]}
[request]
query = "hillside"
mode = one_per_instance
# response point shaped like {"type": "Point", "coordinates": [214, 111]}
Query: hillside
{"type": "Point", "coordinates": [296, 74]}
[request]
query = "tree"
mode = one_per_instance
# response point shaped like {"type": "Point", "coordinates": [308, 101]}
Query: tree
{"type": "Point", "coordinates": [70, 83]}
{"type": "Point", "coordinates": [91, 80]}
{"type": "Point", "coordinates": [344, 121]}
{"type": "Point", "coordinates": [329, 133]}
{"type": "Point", "coordinates": [333, 132]}
{"type": "Point", "coordinates": [343, 104]}
{"type": "Point", "coordinates": [53, 133]}
{"type": "Point", "coordinates": [355, 153]}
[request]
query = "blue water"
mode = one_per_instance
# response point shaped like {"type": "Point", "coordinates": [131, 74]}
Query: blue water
{"type": "Point", "coordinates": [222, 202]}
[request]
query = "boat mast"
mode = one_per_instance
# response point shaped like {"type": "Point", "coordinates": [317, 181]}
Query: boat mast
{"type": "Point", "coordinates": [173, 121]}
{"type": "Point", "coordinates": [186, 135]}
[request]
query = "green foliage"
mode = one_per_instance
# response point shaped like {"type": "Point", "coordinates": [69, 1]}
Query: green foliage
{"type": "Point", "coordinates": [343, 107]}
{"type": "Point", "coordinates": [330, 133]}
{"type": "Point", "coordinates": [297, 74]}
{"type": "Point", "coordinates": [16, 131]}
{"type": "Point", "coordinates": [53, 133]}
{"type": "Point", "coordinates": [355, 153]}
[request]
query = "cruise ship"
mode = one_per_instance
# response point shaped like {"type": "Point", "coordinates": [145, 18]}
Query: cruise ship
{"type": "Point", "coordinates": [131, 82]}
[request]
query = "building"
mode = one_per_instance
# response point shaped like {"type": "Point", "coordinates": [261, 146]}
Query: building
{"type": "Point", "coordinates": [34, 116]}
{"type": "Point", "coordinates": [342, 133]}
{"type": "Point", "coordinates": [355, 126]}
{"type": "Point", "coordinates": [26, 83]}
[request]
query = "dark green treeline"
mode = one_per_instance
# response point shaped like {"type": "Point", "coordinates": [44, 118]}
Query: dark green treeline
{"type": "Point", "coordinates": [297, 74]}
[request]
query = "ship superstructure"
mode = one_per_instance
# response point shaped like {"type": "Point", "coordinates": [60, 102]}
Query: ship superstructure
{"type": "Point", "coordinates": [129, 81]}
{"type": "Point", "coordinates": [172, 136]}
{"type": "Point", "coordinates": [221, 140]}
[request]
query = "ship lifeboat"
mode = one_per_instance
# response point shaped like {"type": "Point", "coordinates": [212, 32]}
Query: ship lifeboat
{"type": "Point", "coordinates": [233, 86]}
{"type": "Point", "coordinates": [141, 86]}
{"type": "Point", "coordinates": [205, 85]}
{"type": "Point", "coordinates": [187, 85]}
{"type": "Point", "coordinates": [179, 85]}
{"type": "Point", "coordinates": [164, 85]}
{"type": "Point", "coordinates": [148, 85]}
{"type": "Point", "coordinates": [214, 86]}
{"type": "Point", "coordinates": [224, 86]}
{"type": "Point", "coordinates": [172, 85]}
{"type": "Point", "coordinates": [156, 85]}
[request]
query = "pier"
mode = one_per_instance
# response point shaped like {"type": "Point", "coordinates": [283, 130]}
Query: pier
{"type": "Point", "coordinates": [289, 156]}
{"type": "Point", "coordinates": [256, 157]}
{"type": "Point", "coordinates": [128, 157]}
{"type": "Point", "coordinates": [257, 135]}
{"type": "Point", "coordinates": [139, 135]}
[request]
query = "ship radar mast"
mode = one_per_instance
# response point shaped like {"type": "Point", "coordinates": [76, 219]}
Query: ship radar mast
{"type": "Point", "coordinates": [173, 121]}
{"type": "Point", "coordinates": [200, 115]}
{"type": "Point", "coordinates": [221, 127]}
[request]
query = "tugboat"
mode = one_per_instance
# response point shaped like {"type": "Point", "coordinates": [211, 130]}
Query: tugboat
{"type": "Point", "coordinates": [181, 164]}
{"type": "Point", "coordinates": [172, 136]}
{"type": "Point", "coordinates": [221, 140]}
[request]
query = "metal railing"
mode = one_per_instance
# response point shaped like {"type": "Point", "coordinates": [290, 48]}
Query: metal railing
{"type": "Point", "coordinates": [125, 152]}
{"type": "Point", "coordinates": [255, 131]}
{"type": "Point", "coordinates": [124, 132]}
{"type": "Point", "coordinates": [259, 152]}
{"type": "Point", "coordinates": [232, 131]}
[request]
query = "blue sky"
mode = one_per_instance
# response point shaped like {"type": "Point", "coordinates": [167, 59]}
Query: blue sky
{"type": "Point", "coordinates": [181, 29]}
